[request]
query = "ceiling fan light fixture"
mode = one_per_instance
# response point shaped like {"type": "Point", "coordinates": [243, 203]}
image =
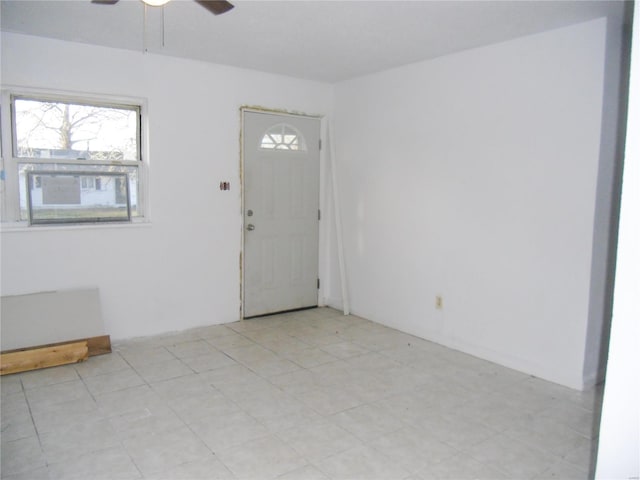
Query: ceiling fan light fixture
{"type": "Point", "coordinates": [156, 3]}
{"type": "Point", "coordinates": [216, 7]}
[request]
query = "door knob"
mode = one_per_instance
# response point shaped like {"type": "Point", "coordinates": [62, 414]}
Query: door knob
{"type": "Point", "coordinates": [251, 227]}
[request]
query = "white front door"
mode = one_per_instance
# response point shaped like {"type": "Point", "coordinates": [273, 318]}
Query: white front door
{"type": "Point", "coordinates": [281, 195]}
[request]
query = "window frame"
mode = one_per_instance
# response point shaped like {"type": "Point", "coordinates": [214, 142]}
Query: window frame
{"type": "Point", "coordinates": [9, 186]}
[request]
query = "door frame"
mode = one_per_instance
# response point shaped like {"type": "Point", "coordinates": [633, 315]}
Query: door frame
{"type": "Point", "coordinates": [323, 231]}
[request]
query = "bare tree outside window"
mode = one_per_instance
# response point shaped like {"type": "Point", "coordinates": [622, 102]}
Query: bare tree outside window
{"type": "Point", "coordinates": [75, 131]}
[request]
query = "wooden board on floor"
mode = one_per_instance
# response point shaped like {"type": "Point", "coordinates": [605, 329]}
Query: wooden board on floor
{"type": "Point", "coordinates": [96, 345]}
{"type": "Point", "coordinates": [33, 359]}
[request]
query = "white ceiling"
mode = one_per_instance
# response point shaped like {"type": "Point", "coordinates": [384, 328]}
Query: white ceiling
{"type": "Point", "coordinates": [320, 40]}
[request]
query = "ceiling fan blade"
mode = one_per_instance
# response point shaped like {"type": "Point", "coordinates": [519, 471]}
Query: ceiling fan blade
{"type": "Point", "coordinates": [105, 2]}
{"type": "Point", "coordinates": [216, 7]}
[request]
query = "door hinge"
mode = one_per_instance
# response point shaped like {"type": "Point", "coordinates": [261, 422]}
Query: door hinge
{"type": "Point", "coordinates": [320, 144]}
{"type": "Point", "coordinates": [319, 215]}
{"type": "Point", "coordinates": [318, 284]}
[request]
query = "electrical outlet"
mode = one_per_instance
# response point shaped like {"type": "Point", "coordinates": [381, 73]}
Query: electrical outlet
{"type": "Point", "coordinates": [438, 302]}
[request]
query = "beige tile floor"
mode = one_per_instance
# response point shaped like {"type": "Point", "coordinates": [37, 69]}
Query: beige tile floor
{"type": "Point", "coordinates": [305, 395]}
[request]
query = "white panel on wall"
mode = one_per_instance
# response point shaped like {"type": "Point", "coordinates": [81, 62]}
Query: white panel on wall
{"type": "Point", "coordinates": [50, 317]}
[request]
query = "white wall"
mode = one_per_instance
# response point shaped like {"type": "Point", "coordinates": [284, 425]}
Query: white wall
{"type": "Point", "coordinates": [619, 441]}
{"type": "Point", "coordinates": [473, 176]}
{"type": "Point", "coordinates": [181, 270]}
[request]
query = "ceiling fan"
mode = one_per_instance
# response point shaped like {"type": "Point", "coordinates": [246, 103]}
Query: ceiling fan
{"type": "Point", "coordinates": [216, 7]}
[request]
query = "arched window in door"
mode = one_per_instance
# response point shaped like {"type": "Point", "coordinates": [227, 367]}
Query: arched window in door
{"type": "Point", "coordinates": [283, 137]}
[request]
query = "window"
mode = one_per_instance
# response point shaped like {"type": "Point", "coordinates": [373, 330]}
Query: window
{"type": "Point", "coordinates": [88, 183]}
{"type": "Point", "coordinates": [283, 137]}
{"type": "Point", "coordinates": [73, 161]}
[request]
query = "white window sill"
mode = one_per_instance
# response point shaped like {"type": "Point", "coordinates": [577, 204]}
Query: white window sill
{"type": "Point", "coordinates": [11, 227]}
